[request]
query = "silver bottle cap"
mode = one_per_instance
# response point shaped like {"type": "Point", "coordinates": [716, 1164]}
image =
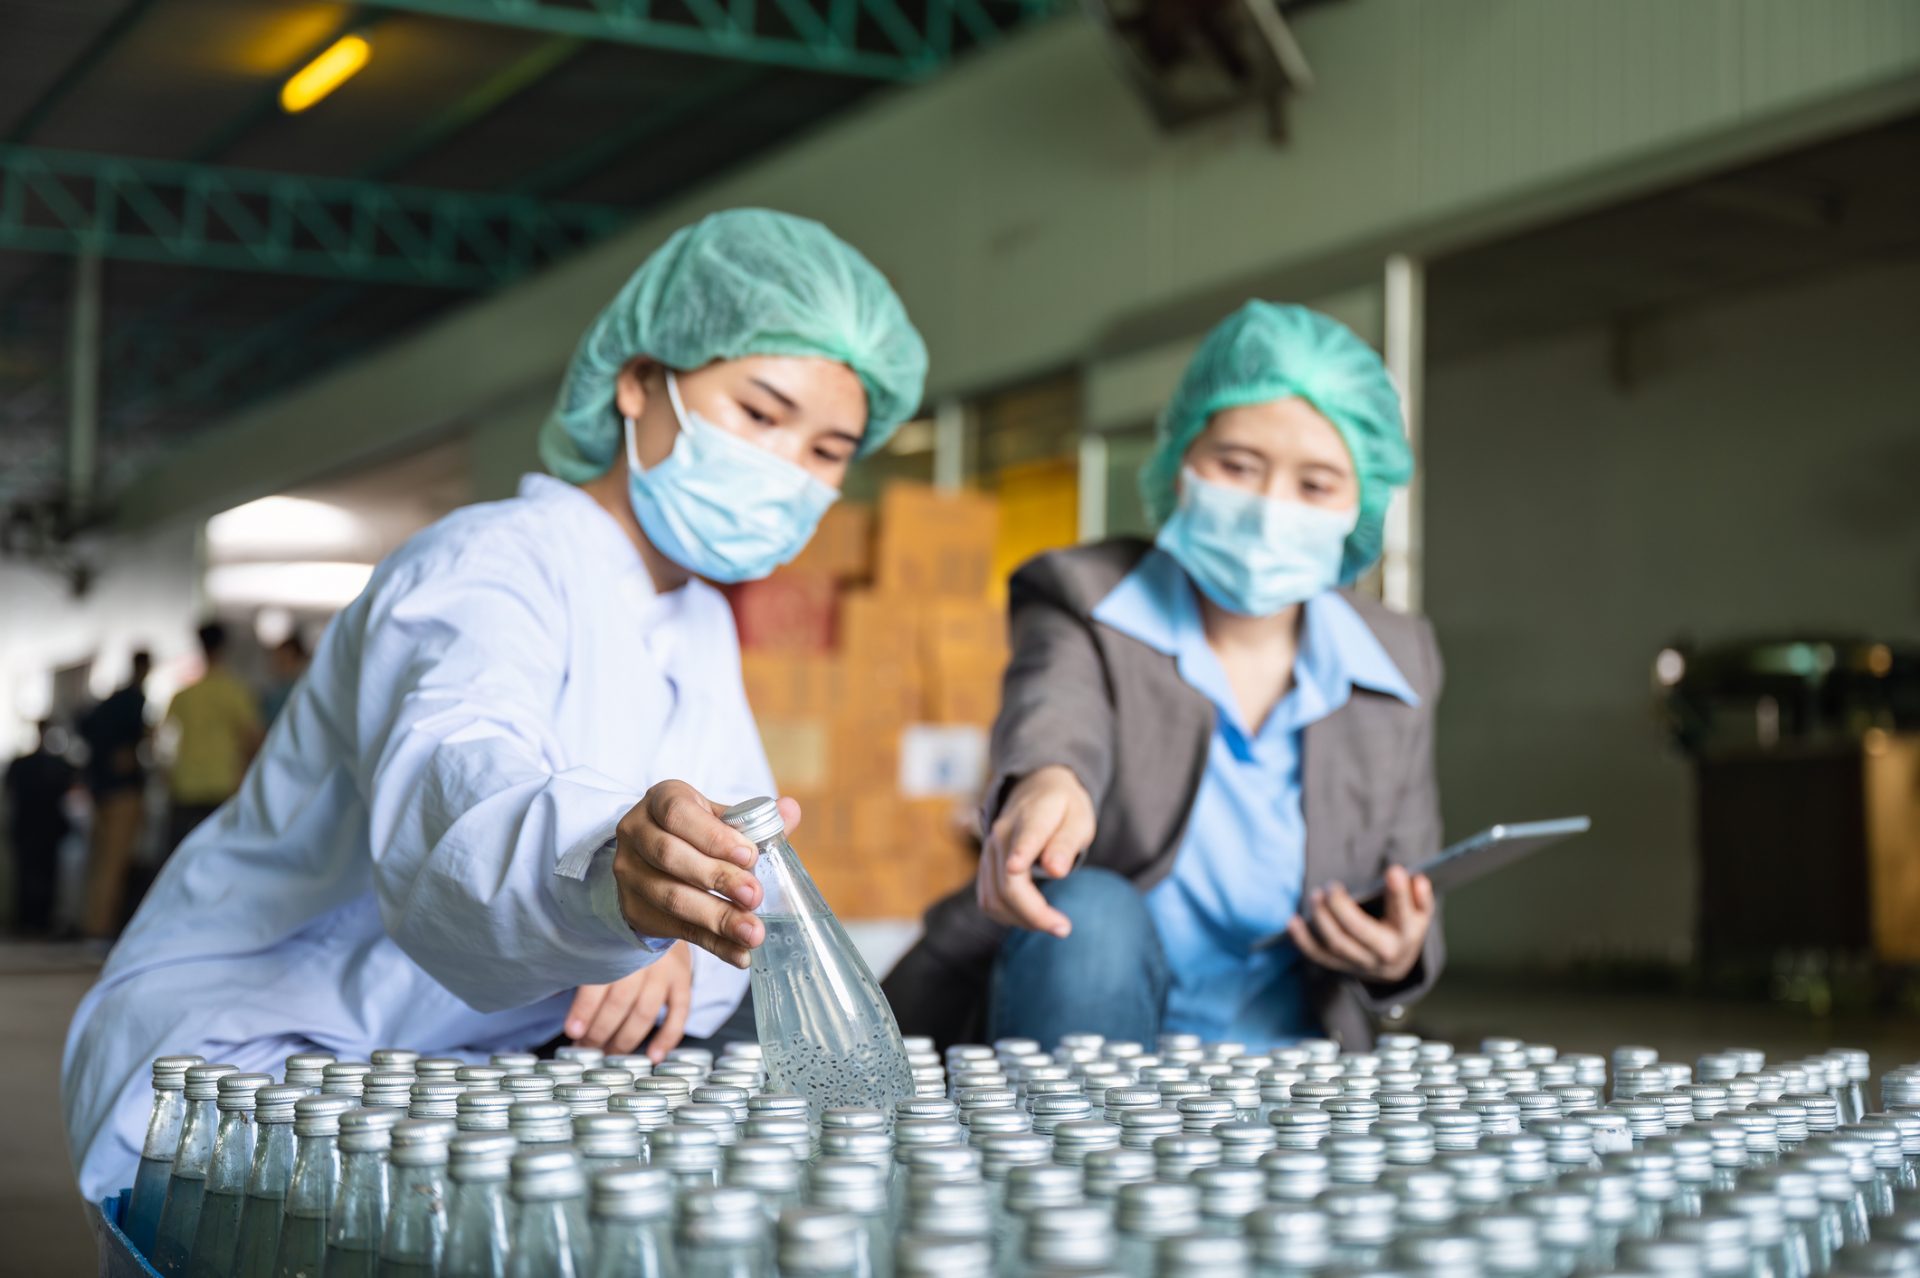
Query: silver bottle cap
{"type": "Point", "coordinates": [170, 1072]}
{"type": "Point", "coordinates": [791, 1132]}
{"type": "Point", "coordinates": [631, 1193]}
{"type": "Point", "coordinates": [684, 1148]}
{"type": "Point", "coordinates": [1106, 1170]}
{"type": "Point", "coordinates": [203, 1081]}
{"type": "Point", "coordinates": [999, 1122]}
{"type": "Point", "coordinates": [851, 1118]}
{"type": "Point", "coordinates": [722, 1217]}
{"type": "Point", "coordinates": [1360, 1214]}
{"type": "Point", "coordinates": [387, 1088]}
{"type": "Point", "coordinates": [1229, 1193]}
{"type": "Point", "coordinates": [1079, 1236]}
{"type": "Point", "coordinates": [399, 1059]}
{"type": "Point", "coordinates": [1766, 1220]}
{"type": "Point", "coordinates": [1036, 1186]}
{"type": "Point", "coordinates": [1907, 1125]}
{"type": "Point", "coordinates": [869, 1146]}
{"type": "Point", "coordinates": [345, 1078]}
{"type": "Point", "coordinates": [1354, 1159]}
{"type": "Point", "coordinates": [937, 1109]}
{"type": "Point", "coordinates": [367, 1130]}
{"type": "Point", "coordinates": [435, 1098]}
{"type": "Point", "coordinates": [959, 1208]}
{"type": "Point", "coordinates": [582, 1098]}
{"type": "Point", "coordinates": [514, 1062]}
{"type": "Point", "coordinates": [1295, 1175]}
{"type": "Point", "coordinates": [546, 1175]}
{"type": "Point", "coordinates": [611, 1077]}
{"type": "Point", "coordinates": [540, 1122]}
{"type": "Point", "coordinates": [437, 1068]}
{"type": "Point", "coordinates": [480, 1156]}
{"type": "Point", "coordinates": [1823, 1112]}
{"type": "Point", "coordinates": [320, 1115]}
{"type": "Point", "coordinates": [765, 1165]}
{"type": "Point", "coordinates": [1291, 1236]}
{"type": "Point", "coordinates": [848, 1184]}
{"type": "Point", "coordinates": [274, 1103]}
{"type": "Point", "coordinates": [236, 1092]}
{"type": "Point", "coordinates": [306, 1069]}
{"type": "Point", "coordinates": [561, 1071]}
{"type": "Point", "coordinates": [1243, 1144]}
{"type": "Point", "coordinates": [1883, 1137]}
{"type": "Point", "coordinates": [1509, 1241]}
{"type": "Point", "coordinates": [483, 1111]}
{"type": "Point", "coordinates": [1203, 1256]}
{"type": "Point", "coordinates": [480, 1078]}
{"type": "Point", "coordinates": [1001, 1153]}
{"type": "Point", "coordinates": [818, 1240]}
{"type": "Point", "coordinates": [1178, 1156]}
{"type": "Point", "coordinates": [936, 1256]}
{"type": "Point", "coordinates": [647, 1109]}
{"type": "Point", "coordinates": [606, 1136]}
{"type": "Point", "coordinates": [421, 1142]}
{"type": "Point", "coordinates": [1409, 1142]}
{"type": "Point", "coordinates": [757, 819]}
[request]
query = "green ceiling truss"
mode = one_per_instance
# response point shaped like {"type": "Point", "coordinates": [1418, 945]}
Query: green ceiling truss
{"type": "Point", "coordinates": [876, 38]}
{"type": "Point", "coordinates": [248, 220]}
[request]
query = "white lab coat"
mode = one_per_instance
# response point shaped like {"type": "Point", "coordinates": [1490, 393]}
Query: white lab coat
{"type": "Point", "coordinates": [417, 858]}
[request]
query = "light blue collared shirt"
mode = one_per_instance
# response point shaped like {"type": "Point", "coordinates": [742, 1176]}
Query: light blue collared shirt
{"type": "Point", "coordinates": [1241, 865]}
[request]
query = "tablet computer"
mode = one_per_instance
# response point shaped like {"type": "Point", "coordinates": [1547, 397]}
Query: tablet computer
{"type": "Point", "coordinates": [1493, 848]}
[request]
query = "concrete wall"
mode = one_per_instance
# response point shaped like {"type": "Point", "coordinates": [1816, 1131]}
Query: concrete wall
{"type": "Point", "coordinates": [1033, 218]}
{"type": "Point", "coordinates": [1758, 476]}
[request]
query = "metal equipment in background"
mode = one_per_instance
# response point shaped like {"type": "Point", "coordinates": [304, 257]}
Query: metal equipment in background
{"type": "Point", "coordinates": [1806, 760]}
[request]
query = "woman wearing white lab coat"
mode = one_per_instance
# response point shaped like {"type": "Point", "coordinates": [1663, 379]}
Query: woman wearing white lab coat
{"type": "Point", "coordinates": [487, 815]}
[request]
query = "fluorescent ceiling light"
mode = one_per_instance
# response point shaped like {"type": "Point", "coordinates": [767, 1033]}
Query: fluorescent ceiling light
{"type": "Point", "coordinates": [289, 527]}
{"type": "Point", "coordinates": [314, 585]}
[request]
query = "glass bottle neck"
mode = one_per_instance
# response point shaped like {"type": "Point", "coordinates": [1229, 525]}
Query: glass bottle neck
{"type": "Point", "coordinates": [232, 1153]}
{"type": "Point", "coordinates": [196, 1139]}
{"type": "Point", "coordinates": [316, 1170]}
{"type": "Point", "coordinates": [272, 1171]}
{"type": "Point", "coordinates": [163, 1125]}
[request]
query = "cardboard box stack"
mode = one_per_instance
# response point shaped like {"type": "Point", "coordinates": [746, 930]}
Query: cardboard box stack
{"type": "Point", "coordinates": [873, 666]}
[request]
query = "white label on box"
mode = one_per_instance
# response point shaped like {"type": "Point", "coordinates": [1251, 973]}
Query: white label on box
{"type": "Point", "coordinates": [942, 759]}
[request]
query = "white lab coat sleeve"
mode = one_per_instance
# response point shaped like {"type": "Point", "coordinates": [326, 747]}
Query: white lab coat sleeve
{"type": "Point", "coordinates": [470, 804]}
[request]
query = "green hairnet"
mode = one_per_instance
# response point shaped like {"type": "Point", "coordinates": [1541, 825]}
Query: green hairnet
{"type": "Point", "coordinates": [1266, 351]}
{"type": "Point", "coordinates": [742, 282]}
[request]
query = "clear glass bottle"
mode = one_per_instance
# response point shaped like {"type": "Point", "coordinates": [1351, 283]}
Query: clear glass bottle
{"type": "Point", "coordinates": [187, 1183]}
{"type": "Point", "coordinates": [359, 1214]}
{"type": "Point", "coordinates": [477, 1227]}
{"type": "Point", "coordinates": [1363, 1224]}
{"type": "Point", "coordinates": [605, 1141]}
{"type": "Point", "coordinates": [301, 1251]}
{"type": "Point", "coordinates": [1767, 1233]}
{"type": "Point", "coordinates": [857, 1188]}
{"type": "Point", "coordinates": [218, 1232]}
{"type": "Point", "coordinates": [1798, 1193]}
{"type": "Point", "coordinates": [826, 1031]}
{"type": "Point", "coordinates": [416, 1230]}
{"type": "Point", "coordinates": [632, 1224]}
{"type": "Point", "coordinates": [267, 1179]}
{"type": "Point", "coordinates": [142, 1218]}
{"type": "Point", "coordinates": [548, 1238]}
{"type": "Point", "coordinates": [1887, 1160]}
{"type": "Point", "coordinates": [483, 1111]}
{"type": "Point", "coordinates": [723, 1234]}
{"type": "Point", "coordinates": [939, 1256]}
{"type": "Point", "coordinates": [690, 1155]}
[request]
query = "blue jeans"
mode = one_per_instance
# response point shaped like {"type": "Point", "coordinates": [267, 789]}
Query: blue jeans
{"type": "Point", "coordinates": [1108, 976]}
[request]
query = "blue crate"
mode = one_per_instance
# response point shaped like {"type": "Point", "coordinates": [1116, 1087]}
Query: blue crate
{"type": "Point", "coordinates": [119, 1258]}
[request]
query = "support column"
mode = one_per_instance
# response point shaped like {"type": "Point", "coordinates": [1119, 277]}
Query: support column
{"type": "Point", "coordinates": [1402, 571]}
{"type": "Point", "coordinates": [83, 387]}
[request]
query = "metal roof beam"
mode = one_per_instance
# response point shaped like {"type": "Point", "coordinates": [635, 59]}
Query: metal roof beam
{"type": "Point", "coordinates": [249, 220]}
{"type": "Point", "coordinates": [873, 38]}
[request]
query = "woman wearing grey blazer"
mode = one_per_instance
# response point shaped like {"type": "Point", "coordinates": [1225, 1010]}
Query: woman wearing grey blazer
{"type": "Point", "coordinates": [1205, 739]}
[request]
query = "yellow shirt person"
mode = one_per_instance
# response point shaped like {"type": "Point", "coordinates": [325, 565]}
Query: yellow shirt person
{"type": "Point", "coordinates": [218, 726]}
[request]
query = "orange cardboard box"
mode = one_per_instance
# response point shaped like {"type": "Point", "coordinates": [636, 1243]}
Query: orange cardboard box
{"type": "Point", "coordinates": [966, 691]}
{"type": "Point", "coordinates": [865, 756]}
{"type": "Point", "coordinates": [790, 685]}
{"type": "Point", "coordinates": [796, 751]}
{"type": "Point", "coordinates": [876, 819]}
{"type": "Point", "coordinates": [963, 630]}
{"type": "Point", "coordinates": [826, 827]}
{"type": "Point", "coordinates": [842, 547]}
{"type": "Point", "coordinates": [935, 543]}
{"type": "Point", "coordinates": [787, 612]}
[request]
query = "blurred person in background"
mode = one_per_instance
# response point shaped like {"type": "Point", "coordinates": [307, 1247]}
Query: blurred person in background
{"type": "Point", "coordinates": [37, 784]}
{"type": "Point", "coordinates": [285, 664]}
{"type": "Point", "coordinates": [491, 813]}
{"type": "Point", "coordinates": [216, 725]}
{"type": "Point", "coordinates": [115, 732]}
{"type": "Point", "coordinates": [1203, 738]}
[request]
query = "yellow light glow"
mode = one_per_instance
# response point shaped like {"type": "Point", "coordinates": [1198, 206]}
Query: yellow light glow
{"type": "Point", "coordinates": [325, 73]}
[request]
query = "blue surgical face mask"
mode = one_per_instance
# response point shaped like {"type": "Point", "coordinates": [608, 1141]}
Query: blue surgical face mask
{"type": "Point", "coordinates": [1254, 555]}
{"type": "Point", "coordinates": [718, 506]}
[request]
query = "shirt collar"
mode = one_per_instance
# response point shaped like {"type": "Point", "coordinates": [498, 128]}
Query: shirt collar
{"type": "Point", "coordinates": [1155, 604]}
{"type": "Point", "coordinates": [598, 537]}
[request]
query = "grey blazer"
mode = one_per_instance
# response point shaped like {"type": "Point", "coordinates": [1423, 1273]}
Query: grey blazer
{"type": "Point", "coordinates": [1117, 712]}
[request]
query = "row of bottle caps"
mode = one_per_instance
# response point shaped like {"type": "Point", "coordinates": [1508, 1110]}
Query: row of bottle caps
{"type": "Point", "coordinates": [1358, 1142]}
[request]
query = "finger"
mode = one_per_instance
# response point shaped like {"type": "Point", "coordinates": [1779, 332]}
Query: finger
{"type": "Point", "coordinates": [1378, 939]}
{"type": "Point", "coordinates": [1329, 932]}
{"type": "Point", "coordinates": [675, 858]}
{"type": "Point", "coordinates": [790, 813]}
{"type": "Point", "coordinates": [1315, 952]}
{"type": "Point", "coordinates": [692, 818]}
{"type": "Point", "coordinates": [1031, 830]}
{"type": "Point", "coordinates": [645, 1014]}
{"type": "Point", "coordinates": [1423, 897]}
{"type": "Point", "coordinates": [1399, 896]}
{"type": "Point", "coordinates": [1023, 900]}
{"type": "Point", "coordinates": [660, 922]}
{"type": "Point", "coordinates": [986, 890]}
{"type": "Point", "coordinates": [585, 1004]}
{"type": "Point", "coordinates": [668, 1036]}
{"type": "Point", "coordinates": [1062, 851]}
{"type": "Point", "coordinates": [613, 1010]}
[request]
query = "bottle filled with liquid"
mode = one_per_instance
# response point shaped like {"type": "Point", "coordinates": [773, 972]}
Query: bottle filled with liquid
{"type": "Point", "coordinates": [218, 1233]}
{"type": "Point", "coordinates": [477, 1221]}
{"type": "Point", "coordinates": [417, 1216]}
{"type": "Point", "coordinates": [187, 1186]}
{"type": "Point", "coordinates": [301, 1251]}
{"type": "Point", "coordinates": [169, 1111]}
{"type": "Point", "coordinates": [826, 1031]}
{"type": "Point", "coordinates": [359, 1215]}
{"type": "Point", "coordinates": [267, 1179]}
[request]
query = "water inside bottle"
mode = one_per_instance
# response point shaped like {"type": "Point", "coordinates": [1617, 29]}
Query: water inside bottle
{"type": "Point", "coordinates": [217, 1236]}
{"type": "Point", "coordinates": [259, 1236]}
{"type": "Point", "coordinates": [303, 1247]}
{"type": "Point", "coordinates": [149, 1194]}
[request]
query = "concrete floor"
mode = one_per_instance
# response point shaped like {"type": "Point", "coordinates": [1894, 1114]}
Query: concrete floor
{"type": "Point", "coordinates": [42, 1219]}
